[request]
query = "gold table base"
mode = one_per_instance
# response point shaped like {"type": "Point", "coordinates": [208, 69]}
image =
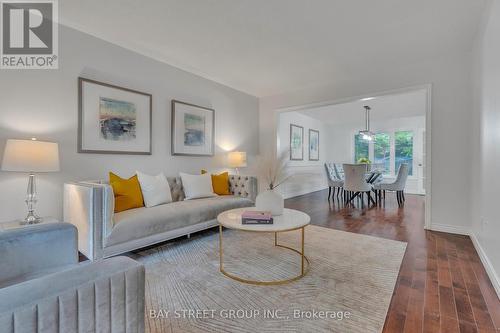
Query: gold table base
{"type": "Point", "coordinates": [303, 269]}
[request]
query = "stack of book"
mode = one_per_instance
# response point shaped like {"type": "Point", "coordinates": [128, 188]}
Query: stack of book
{"type": "Point", "coordinates": [256, 217]}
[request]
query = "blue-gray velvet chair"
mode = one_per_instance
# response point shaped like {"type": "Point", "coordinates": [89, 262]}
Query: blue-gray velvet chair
{"type": "Point", "coordinates": [43, 287]}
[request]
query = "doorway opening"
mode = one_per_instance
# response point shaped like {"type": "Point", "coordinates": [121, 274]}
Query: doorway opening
{"type": "Point", "coordinates": [332, 132]}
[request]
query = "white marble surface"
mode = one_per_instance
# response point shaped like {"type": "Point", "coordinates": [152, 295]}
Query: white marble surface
{"type": "Point", "coordinates": [291, 219]}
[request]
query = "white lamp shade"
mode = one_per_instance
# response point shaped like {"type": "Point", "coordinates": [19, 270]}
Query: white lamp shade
{"type": "Point", "coordinates": [30, 156]}
{"type": "Point", "coordinates": [237, 159]}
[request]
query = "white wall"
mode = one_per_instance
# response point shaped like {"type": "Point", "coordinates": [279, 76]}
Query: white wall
{"type": "Point", "coordinates": [308, 176]}
{"type": "Point", "coordinates": [451, 100]}
{"type": "Point", "coordinates": [485, 154]}
{"type": "Point", "coordinates": [341, 143]}
{"type": "Point", "coordinates": [43, 103]}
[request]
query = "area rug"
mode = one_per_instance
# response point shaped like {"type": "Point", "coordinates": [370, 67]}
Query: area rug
{"type": "Point", "coordinates": [347, 289]}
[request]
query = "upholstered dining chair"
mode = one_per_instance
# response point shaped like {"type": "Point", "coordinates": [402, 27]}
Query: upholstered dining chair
{"type": "Point", "coordinates": [334, 181]}
{"type": "Point", "coordinates": [397, 186]}
{"type": "Point", "coordinates": [339, 171]}
{"type": "Point", "coordinates": [355, 183]}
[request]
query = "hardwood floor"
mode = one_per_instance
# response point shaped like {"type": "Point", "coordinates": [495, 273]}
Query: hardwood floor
{"type": "Point", "coordinates": [442, 285]}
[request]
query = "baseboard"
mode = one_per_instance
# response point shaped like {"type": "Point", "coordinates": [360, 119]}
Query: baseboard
{"type": "Point", "coordinates": [451, 229]}
{"type": "Point", "coordinates": [495, 280]}
{"type": "Point", "coordinates": [293, 194]}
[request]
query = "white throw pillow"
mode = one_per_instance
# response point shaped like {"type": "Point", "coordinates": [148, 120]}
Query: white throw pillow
{"type": "Point", "coordinates": [197, 186]}
{"type": "Point", "coordinates": [155, 189]}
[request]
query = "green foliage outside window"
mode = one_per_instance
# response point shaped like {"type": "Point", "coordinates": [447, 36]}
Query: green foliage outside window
{"type": "Point", "coordinates": [403, 148]}
{"type": "Point", "coordinates": [382, 151]}
{"type": "Point", "coordinates": [403, 145]}
{"type": "Point", "coordinates": [360, 148]}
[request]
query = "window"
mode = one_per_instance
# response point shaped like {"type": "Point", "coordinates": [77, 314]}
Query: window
{"type": "Point", "coordinates": [403, 147]}
{"type": "Point", "coordinates": [382, 151]}
{"type": "Point", "coordinates": [360, 148]}
{"type": "Point", "coordinates": [388, 150]}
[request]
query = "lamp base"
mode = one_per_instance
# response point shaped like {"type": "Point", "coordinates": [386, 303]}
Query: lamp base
{"type": "Point", "coordinates": [31, 200]}
{"type": "Point", "coordinates": [31, 218]}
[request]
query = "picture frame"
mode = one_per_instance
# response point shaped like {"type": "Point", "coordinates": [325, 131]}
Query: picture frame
{"type": "Point", "coordinates": [192, 129]}
{"type": "Point", "coordinates": [313, 144]}
{"type": "Point", "coordinates": [113, 119]}
{"type": "Point", "coordinates": [296, 142]}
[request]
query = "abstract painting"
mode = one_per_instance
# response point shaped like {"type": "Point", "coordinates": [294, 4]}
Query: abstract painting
{"type": "Point", "coordinates": [296, 142]}
{"type": "Point", "coordinates": [117, 119]}
{"type": "Point", "coordinates": [193, 129]}
{"type": "Point", "coordinates": [313, 145]}
{"type": "Point", "coordinates": [113, 119]}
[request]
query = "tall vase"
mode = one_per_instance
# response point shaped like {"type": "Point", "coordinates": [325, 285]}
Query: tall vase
{"type": "Point", "coordinates": [270, 201]}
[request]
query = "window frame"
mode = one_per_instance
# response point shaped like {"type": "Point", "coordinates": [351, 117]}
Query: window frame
{"type": "Point", "coordinates": [392, 138]}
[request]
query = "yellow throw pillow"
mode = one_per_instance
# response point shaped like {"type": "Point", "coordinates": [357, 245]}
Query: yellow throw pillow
{"type": "Point", "coordinates": [220, 183]}
{"type": "Point", "coordinates": [127, 192]}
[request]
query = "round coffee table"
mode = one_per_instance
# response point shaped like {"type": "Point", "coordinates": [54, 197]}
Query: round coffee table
{"type": "Point", "coordinates": [289, 221]}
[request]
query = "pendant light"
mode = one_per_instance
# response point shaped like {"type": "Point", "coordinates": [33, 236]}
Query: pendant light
{"type": "Point", "coordinates": [367, 134]}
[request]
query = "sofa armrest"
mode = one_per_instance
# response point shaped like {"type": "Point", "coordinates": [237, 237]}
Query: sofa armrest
{"type": "Point", "coordinates": [35, 248]}
{"type": "Point", "coordinates": [243, 186]}
{"type": "Point", "coordinates": [90, 207]}
{"type": "Point", "coordinates": [104, 296]}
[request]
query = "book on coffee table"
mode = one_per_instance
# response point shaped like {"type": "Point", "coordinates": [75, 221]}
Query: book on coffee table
{"type": "Point", "coordinates": [256, 217]}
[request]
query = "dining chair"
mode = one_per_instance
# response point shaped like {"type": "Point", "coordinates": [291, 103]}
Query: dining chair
{"type": "Point", "coordinates": [397, 186]}
{"type": "Point", "coordinates": [339, 171]}
{"type": "Point", "coordinates": [355, 183]}
{"type": "Point", "coordinates": [334, 182]}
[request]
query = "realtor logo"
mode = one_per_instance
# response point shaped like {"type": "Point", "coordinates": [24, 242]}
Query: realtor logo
{"type": "Point", "coordinates": [29, 38]}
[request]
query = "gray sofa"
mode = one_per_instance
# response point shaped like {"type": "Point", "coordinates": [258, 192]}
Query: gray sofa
{"type": "Point", "coordinates": [102, 233]}
{"type": "Point", "coordinates": [44, 289]}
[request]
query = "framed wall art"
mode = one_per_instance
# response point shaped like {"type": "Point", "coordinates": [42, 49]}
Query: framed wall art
{"type": "Point", "coordinates": [313, 145]}
{"type": "Point", "coordinates": [113, 119]}
{"type": "Point", "coordinates": [193, 129]}
{"type": "Point", "coordinates": [296, 142]}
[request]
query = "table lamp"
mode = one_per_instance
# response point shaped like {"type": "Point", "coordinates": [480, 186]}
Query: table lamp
{"type": "Point", "coordinates": [31, 156]}
{"type": "Point", "coordinates": [237, 159]}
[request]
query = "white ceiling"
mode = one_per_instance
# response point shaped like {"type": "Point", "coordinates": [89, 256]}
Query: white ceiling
{"type": "Point", "coordinates": [265, 47]}
{"type": "Point", "coordinates": [409, 104]}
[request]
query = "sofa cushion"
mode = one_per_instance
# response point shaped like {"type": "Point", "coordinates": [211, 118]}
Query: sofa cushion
{"type": "Point", "coordinates": [127, 192]}
{"type": "Point", "coordinates": [143, 222]}
{"type": "Point", "coordinates": [197, 186]}
{"type": "Point", "coordinates": [155, 189]}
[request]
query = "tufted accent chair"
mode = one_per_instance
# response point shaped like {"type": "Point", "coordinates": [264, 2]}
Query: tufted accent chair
{"type": "Point", "coordinates": [176, 188]}
{"type": "Point", "coordinates": [243, 186]}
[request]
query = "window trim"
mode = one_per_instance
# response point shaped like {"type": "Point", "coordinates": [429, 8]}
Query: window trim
{"type": "Point", "coordinates": [392, 135]}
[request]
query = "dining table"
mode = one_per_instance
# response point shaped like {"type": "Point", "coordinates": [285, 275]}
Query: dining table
{"type": "Point", "coordinates": [373, 175]}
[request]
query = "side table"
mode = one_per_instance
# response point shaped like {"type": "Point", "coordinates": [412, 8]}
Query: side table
{"type": "Point", "coordinates": [16, 224]}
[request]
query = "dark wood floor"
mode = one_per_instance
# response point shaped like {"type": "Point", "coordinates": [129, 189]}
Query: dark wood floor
{"type": "Point", "coordinates": [442, 285]}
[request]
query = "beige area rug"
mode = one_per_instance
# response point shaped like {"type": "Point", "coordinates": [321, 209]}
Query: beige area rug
{"type": "Point", "coordinates": [348, 288]}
